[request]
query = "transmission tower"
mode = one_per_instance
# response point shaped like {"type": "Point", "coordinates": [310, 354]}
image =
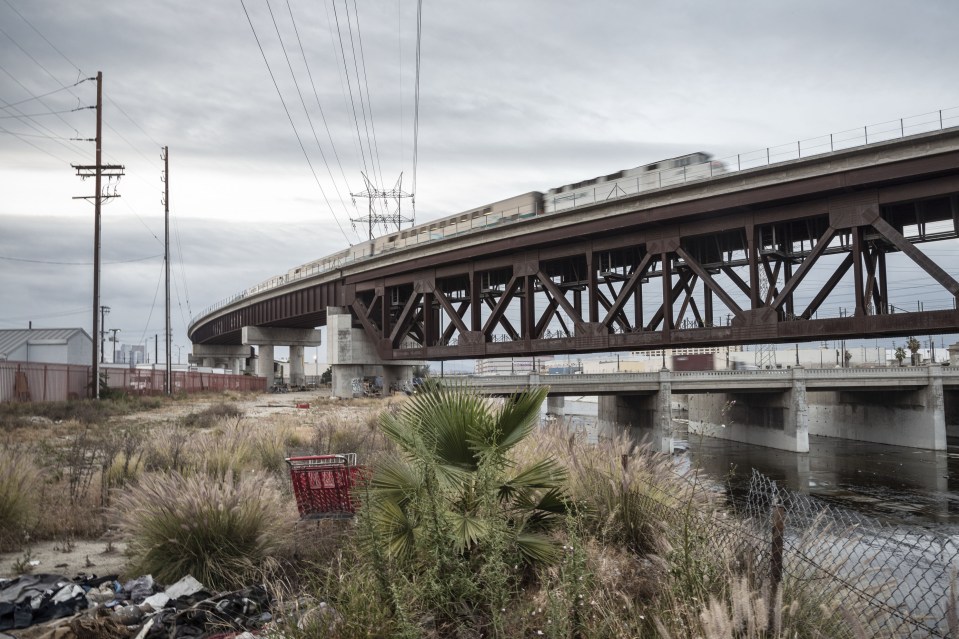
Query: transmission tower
{"type": "Point", "coordinates": [765, 353]}
{"type": "Point", "coordinates": [390, 217]}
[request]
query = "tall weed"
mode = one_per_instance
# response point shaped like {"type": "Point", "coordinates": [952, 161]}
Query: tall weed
{"type": "Point", "coordinates": [19, 495]}
{"type": "Point", "coordinates": [221, 530]}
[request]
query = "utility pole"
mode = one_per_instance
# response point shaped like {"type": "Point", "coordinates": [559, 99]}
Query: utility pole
{"type": "Point", "coordinates": [98, 171]}
{"type": "Point", "coordinates": [114, 331]}
{"type": "Point", "coordinates": [372, 193]}
{"type": "Point", "coordinates": [104, 311]}
{"type": "Point", "coordinates": [168, 374]}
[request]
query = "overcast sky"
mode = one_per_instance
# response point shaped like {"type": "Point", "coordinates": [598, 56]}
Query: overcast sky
{"type": "Point", "coordinates": [514, 96]}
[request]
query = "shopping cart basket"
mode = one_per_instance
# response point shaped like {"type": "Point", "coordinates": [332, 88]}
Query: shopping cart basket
{"type": "Point", "coordinates": [323, 484]}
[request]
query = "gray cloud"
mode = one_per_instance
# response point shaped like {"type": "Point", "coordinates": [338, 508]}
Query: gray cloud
{"type": "Point", "coordinates": [514, 97]}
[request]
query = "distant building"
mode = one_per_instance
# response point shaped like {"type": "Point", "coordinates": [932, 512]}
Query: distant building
{"type": "Point", "coordinates": [46, 345]}
{"type": "Point", "coordinates": [513, 365]}
{"type": "Point", "coordinates": [130, 354]}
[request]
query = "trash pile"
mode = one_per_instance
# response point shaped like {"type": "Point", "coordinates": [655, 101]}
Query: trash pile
{"type": "Point", "coordinates": [47, 606]}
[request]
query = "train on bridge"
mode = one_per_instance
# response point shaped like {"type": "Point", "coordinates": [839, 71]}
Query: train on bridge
{"type": "Point", "coordinates": [656, 175]}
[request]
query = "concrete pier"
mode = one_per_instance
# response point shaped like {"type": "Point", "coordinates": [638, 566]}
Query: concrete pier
{"type": "Point", "coordinates": [352, 355]}
{"type": "Point", "coordinates": [645, 418]}
{"type": "Point", "coordinates": [909, 416]}
{"type": "Point", "coordinates": [266, 339]}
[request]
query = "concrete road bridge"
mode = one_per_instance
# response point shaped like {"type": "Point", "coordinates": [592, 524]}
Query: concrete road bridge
{"type": "Point", "coordinates": [789, 252]}
{"type": "Point", "coordinates": [910, 406]}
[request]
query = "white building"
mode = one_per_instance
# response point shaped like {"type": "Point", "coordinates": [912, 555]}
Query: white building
{"type": "Point", "coordinates": [46, 345]}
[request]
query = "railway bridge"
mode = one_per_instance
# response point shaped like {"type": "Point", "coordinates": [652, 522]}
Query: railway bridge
{"type": "Point", "coordinates": [795, 251]}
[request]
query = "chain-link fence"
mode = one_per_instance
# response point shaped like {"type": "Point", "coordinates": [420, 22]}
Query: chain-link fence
{"type": "Point", "coordinates": [900, 580]}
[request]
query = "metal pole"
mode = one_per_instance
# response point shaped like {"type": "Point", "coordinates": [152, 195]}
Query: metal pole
{"type": "Point", "coordinates": [168, 374]}
{"type": "Point", "coordinates": [96, 236]}
{"type": "Point", "coordinates": [776, 555]}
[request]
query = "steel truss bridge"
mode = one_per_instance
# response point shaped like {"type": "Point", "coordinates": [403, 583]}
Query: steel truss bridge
{"type": "Point", "coordinates": [799, 251]}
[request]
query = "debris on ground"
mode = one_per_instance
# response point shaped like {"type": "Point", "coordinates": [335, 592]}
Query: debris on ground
{"type": "Point", "coordinates": [48, 606]}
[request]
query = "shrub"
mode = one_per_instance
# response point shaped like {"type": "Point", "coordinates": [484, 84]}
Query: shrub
{"type": "Point", "coordinates": [19, 488]}
{"type": "Point", "coordinates": [209, 416]}
{"type": "Point", "coordinates": [220, 530]}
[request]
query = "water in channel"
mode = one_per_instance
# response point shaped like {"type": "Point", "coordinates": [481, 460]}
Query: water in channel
{"type": "Point", "coordinates": [899, 485]}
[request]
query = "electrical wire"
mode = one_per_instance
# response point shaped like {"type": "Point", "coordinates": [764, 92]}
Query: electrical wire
{"type": "Point", "coordinates": [43, 95]}
{"type": "Point", "coordinates": [366, 83]}
{"type": "Point", "coordinates": [349, 86]}
{"type": "Point", "coordinates": [306, 111]}
{"type": "Point", "coordinates": [416, 103]}
{"type": "Point", "coordinates": [319, 106]}
{"type": "Point", "coordinates": [135, 259]}
{"type": "Point", "coordinates": [290, 118]}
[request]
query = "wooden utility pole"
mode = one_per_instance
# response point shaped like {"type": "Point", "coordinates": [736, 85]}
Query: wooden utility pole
{"type": "Point", "coordinates": [97, 171]}
{"type": "Point", "coordinates": [168, 375]}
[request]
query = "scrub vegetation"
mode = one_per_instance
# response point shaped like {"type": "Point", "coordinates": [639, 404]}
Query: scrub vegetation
{"type": "Point", "coordinates": [474, 520]}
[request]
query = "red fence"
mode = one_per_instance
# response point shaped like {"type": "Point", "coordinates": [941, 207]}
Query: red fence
{"type": "Point", "coordinates": [27, 381]}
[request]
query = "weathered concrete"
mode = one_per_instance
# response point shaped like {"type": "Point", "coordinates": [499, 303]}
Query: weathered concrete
{"type": "Point", "coordinates": [555, 406]}
{"type": "Point", "coordinates": [296, 365]}
{"type": "Point", "coordinates": [775, 419]}
{"type": "Point", "coordinates": [259, 335]}
{"type": "Point", "coordinates": [396, 376]}
{"type": "Point", "coordinates": [910, 417]}
{"type": "Point", "coordinates": [644, 417]}
{"type": "Point", "coordinates": [264, 363]}
{"type": "Point", "coordinates": [351, 354]}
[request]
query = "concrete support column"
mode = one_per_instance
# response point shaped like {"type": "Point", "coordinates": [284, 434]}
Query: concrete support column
{"type": "Point", "coordinates": [910, 416]}
{"type": "Point", "coordinates": [556, 405]}
{"type": "Point", "coordinates": [296, 365]}
{"type": "Point", "coordinates": [935, 403]}
{"type": "Point", "coordinates": [796, 419]}
{"type": "Point", "coordinates": [661, 436]}
{"type": "Point", "coordinates": [397, 376]}
{"type": "Point", "coordinates": [208, 362]}
{"type": "Point", "coordinates": [237, 367]}
{"type": "Point", "coordinates": [641, 417]}
{"type": "Point", "coordinates": [352, 354]}
{"type": "Point", "coordinates": [264, 363]}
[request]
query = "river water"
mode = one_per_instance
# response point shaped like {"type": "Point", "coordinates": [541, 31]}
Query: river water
{"type": "Point", "coordinates": [896, 484]}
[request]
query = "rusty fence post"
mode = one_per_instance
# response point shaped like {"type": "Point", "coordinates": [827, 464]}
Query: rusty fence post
{"type": "Point", "coordinates": [776, 558]}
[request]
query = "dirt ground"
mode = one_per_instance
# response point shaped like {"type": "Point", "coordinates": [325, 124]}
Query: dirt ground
{"type": "Point", "coordinates": [104, 556]}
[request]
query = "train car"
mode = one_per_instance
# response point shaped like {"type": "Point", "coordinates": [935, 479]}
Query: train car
{"type": "Point", "coordinates": [685, 168]}
{"type": "Point", "coordinates": [693, 166]}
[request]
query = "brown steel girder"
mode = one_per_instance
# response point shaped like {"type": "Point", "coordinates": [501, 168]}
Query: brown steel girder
{"type": "Point", "coordinates": [469, 309]}
{"type": "Point", "coordinates": [774, 230]}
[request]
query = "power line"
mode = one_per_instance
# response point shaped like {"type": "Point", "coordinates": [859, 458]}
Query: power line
{"type": "Point", "coordinates": [319, 106]}
{"type": "Point", "coordinates": [290, 118]}
{"type": "Point", "coordinates": [21, 259]}
{"type": "Point", "coordinates": [43, 95]}
{"type": "Point", "coordinates": [366, 83]}
{"type": "Point", "coordinates": [306, 111]}
{"type": "Point", "coordinates": [349, 87]}
{"type": "Point", "coordinates": [416, 107]}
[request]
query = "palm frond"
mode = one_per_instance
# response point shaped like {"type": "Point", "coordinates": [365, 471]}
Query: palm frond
{"type": "Point", "coordinates": [537, 548]}
{"type": "Point", "coordinates": [394, 527]}
{"type": "Point", "coordinates": [518, 416]}
{"type": "Point", "coordinates": [467, 529]}
{"type": "Point", "coordinates": [394, 479]}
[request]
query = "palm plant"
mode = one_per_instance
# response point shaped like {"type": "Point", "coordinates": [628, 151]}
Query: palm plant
{"type": "Point", "coordinates": [453, 481]}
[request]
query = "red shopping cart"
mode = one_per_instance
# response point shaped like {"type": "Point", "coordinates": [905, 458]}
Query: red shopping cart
{"type": "Point", "coordinates": [323, 484]}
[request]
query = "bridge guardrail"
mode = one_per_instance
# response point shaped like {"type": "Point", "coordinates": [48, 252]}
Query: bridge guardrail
{"type": "Point", "coordinates": [850, 138]}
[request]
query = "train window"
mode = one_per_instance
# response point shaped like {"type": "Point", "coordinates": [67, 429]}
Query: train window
{"type": "Point", "coordinates": [652, 167]}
